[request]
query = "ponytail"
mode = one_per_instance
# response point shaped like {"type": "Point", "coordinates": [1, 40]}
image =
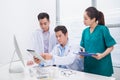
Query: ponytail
{"type": "Point", "coordinates": [101, 18]}
{"type": "Point", "coordinates": [92, 12]}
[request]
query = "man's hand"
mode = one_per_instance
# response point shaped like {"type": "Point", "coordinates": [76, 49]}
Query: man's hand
{"type": "Point", "coordinates": [29, 63]}
{"type": "Point", "coordinates": [81, 56]}
{"type": "Point", "coordinates": [36, 60]}
{"type": "Point", "coordinates": [46, 56]}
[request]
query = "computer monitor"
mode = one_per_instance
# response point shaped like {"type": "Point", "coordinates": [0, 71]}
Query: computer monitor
{"type": "Point", "coordinates": [17, 49]}
{"type": "Point", "coordinates": [16, 68]}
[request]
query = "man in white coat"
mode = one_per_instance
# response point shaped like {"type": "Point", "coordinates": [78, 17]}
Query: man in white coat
{"type": "Point", "coordinates": [62, 54]}
{"type": "Point", "coordinates": [44, 38]}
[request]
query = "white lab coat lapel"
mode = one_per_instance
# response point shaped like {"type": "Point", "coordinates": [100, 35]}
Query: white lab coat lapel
{"type": "Point", "coordinates": [67, 50]}
{"type": "Point", "coordinates": [42, 42]}
{"type": "Point", "coordinates": [52, 40]}
{"type": "Point", "coordinates": [39, 43]}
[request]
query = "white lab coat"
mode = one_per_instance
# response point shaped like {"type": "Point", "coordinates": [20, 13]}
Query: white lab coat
{"type": "Point", "coordinates": [38, 43]}
{"type": "Point", "coordinates": [70, 60]}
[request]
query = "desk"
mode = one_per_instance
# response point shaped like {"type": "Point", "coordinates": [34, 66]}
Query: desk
{"type": "Point", "coordinates": [76, 75]}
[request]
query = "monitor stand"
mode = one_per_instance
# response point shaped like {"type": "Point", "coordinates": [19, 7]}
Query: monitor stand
{"type": "Point", "coordinates": [15, 66]}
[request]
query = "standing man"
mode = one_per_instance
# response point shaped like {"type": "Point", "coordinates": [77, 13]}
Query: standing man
{"type": "Point", "coordinates": [43, 39]}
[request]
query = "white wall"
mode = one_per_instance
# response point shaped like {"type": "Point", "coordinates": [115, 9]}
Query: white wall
{"type": "Point", "coordinates": [71, 15]}
{"type": "Point", "coordinates": [19, 17]}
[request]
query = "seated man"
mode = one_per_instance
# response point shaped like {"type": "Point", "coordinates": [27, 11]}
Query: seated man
{"type": "Point", "coordinates": [62, 54]}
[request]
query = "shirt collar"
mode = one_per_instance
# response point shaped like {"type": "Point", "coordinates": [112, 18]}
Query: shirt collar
{"type": "Point", "coordinates": [64, 46]}
{"type": "Point", "coordinates": [46, 32]}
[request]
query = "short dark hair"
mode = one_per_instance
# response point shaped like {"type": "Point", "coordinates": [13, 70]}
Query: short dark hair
{"type": "Point", "coordinates": [43, 15]}
{"type": "Point", "coordinates": [61, 28]}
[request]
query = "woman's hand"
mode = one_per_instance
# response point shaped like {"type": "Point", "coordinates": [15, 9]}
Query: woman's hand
{"type": "Point", "coordinates": [98, 56]}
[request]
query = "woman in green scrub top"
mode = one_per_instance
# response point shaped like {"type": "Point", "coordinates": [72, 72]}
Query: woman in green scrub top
{"type": "Point", "coordinates": [96, 39]}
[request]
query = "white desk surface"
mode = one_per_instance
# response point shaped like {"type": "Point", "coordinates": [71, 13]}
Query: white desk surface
{"type": "Point", "coordinates": [77, 75]}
